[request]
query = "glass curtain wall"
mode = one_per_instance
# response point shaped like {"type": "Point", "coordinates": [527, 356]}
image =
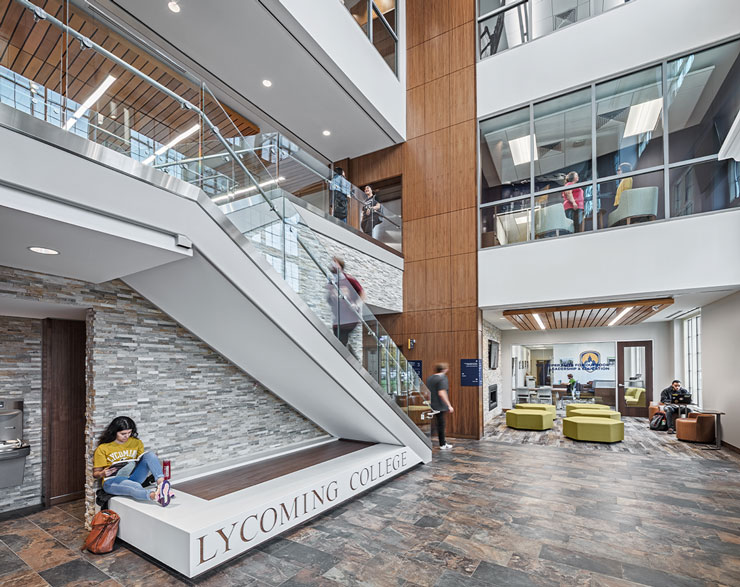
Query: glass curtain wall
{"type": "Point", "coordinates": [503, 24]}
{"type": "Point", "coordinates": [637, 148]}
{"type": "Point", "coordinates": [378, 20]}
{"type": "Point", "coordinates": [692, 356]}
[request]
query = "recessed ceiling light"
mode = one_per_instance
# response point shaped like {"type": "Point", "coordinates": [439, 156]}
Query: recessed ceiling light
{"type": "Point", "coordinates": [173, 6]}
{"type": "Point", "coordinates": [267, 83]}
{"type": "Point", "coordinates": [43, 251]}
{"type": "Point", "coordinates": [326, 133]}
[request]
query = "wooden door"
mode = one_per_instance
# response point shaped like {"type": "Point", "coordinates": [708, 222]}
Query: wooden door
{"type": "Point", "coordinates": [63, 406]}
{"type": "Point", "coordinates": [635, 370]}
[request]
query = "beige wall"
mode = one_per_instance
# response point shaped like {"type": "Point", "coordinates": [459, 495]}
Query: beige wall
{"type": "Point", "coordinates": [720, 342]}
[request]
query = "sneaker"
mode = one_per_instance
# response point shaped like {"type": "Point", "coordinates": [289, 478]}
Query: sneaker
{"type": "Point", "coordinates": [164, 494]}
{"type": "Point", "coordinates": [447, 446]}
{"type": "Point", "coordinates": [671, 431]}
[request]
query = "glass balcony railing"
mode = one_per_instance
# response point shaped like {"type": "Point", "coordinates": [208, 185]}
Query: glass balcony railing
{"type": "Point", "coordinates": [504, 24]}
{"type": "Point", "coordinates": [159, 128]}
{"type": "Point", "coordinates": [377, 19]}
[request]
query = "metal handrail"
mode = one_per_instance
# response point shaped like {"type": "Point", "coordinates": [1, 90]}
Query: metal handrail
{"type": "Point", "coordinates": [86, 43]}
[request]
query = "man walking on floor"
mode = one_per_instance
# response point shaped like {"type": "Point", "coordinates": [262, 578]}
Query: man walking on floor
{"type": "Point", "coordinates": [439, 389]}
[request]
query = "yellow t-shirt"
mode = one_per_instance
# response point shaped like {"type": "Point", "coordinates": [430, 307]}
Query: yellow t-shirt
{"type": "Point", "coordinates": [625, 184]}
{"type": "Point", "coordinates": [112, 452]}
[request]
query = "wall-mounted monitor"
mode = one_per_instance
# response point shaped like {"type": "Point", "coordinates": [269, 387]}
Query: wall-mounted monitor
{"type": "Point", "coordinates": [492, 354]}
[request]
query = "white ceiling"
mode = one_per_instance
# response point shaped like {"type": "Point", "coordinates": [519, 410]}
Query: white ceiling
{"type": "Point", "coordinates": [85, 254]}
{"type": "Point", "coordinates": [683, 303]}
{"type": "Point", "coordinates": [241, 43]}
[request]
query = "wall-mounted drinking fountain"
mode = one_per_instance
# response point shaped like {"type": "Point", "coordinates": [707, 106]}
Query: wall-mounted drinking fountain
{"type": "Point", "coordinates": [13, 449]}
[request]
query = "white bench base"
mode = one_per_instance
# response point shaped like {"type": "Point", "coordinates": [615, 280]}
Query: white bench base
{"type": "Point", "coordinates": [193, 535]}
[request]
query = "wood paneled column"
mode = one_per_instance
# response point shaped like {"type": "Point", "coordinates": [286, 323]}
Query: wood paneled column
{"type": "Point", "coordinates": [438, 165]}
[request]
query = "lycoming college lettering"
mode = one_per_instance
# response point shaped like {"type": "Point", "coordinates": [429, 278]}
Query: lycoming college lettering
{"type": "Point", "coordinates": [245, 533]}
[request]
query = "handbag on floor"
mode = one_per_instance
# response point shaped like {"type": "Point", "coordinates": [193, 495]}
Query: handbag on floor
{"type": "Point", "coordinates": [659, 422]}
{"type": "Point", "coordinates": [103, 533]}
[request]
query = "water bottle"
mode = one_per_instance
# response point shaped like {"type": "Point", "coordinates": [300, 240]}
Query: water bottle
{"type": "Point", "coordinates": [166, 468]}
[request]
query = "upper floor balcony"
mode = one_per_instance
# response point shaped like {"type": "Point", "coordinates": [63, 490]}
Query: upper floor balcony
{"type": "Point", "coordinates": [641, 147]}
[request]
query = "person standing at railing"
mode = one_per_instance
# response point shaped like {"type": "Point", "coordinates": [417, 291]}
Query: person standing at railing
{"type": "Point", "coordinates": [371, 212]}
{"type": "Point", "coordinates": [573, 201]}
{"type": "Point", "coordinates": [340, 189]}
{"type": "Point", "coordinates": [439, 391]}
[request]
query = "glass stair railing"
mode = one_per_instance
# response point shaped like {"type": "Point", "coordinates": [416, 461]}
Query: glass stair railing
{"type": "Point", "coordinates": [242, 174]}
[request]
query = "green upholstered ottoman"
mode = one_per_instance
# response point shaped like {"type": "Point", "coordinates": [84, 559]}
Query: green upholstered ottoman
{"type": "Point", "coordinates": [596, 414]}
{"type": "Point", "coordinates": [570, 407]}
{"type": "Point", "coordinates": [593, 429]}
{"type": "Point", "coordinates": [529, 419]}
{"type": "Point", "coordinates": [547, 407]}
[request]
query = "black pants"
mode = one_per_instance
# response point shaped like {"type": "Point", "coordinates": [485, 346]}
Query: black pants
{"type": "Point", "coordinates": [671, 411]}
{"type": "Point", "coordinates": [441, 421]}
{"type": "Point", "coordinates": [343, 331]}
{"type": "Point", "coordinates": [576, 215]}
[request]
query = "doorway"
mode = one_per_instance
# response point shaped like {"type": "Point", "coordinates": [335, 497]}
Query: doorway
{"type": "Point", "coordinates": [63, 402]}
{"type": "Point", "coordinates": [634, 377]}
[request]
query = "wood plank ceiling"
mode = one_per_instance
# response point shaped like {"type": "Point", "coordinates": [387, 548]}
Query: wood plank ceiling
{"type": "Point", "coordinates": [42, 53]}
{"type": "Point", "coordinates": [587, 315]}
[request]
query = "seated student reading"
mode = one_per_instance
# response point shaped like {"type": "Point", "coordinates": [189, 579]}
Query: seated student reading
{"type": "Point", "coordinates": [676, 399]}
{"type": "Point", "coordinates": [123, 464]}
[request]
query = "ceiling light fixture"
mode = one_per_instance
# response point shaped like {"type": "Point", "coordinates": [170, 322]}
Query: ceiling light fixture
{"type": "Point", "coordinates": [267, 83]}
{"type": "Point", "coordinates": [251, 188]}
{"type": "Point", "coordinates": [179, 138]}
{"type": "Point", "coordinates": [520, 150]}
{"type": "Point", "coordinates": [89, 102]}
{"type": "Point", "coordinates": [643, 117]}
{"type": "Point", "coordinates": [326, 133]}
{"type": "Point", "coordinates": [539, 321]}
{"type": "Point", "coordinates": [619, 316]}
{"type": "Point", "coordinates": [43, 251]}
{"type": "Point", "coordinates": [173, 6]}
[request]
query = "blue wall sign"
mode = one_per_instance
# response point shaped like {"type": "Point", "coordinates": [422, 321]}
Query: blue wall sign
{"type": "Point", "coordinates": [416, 366]}
{"type": "Point", "coordinates": [471, 372]}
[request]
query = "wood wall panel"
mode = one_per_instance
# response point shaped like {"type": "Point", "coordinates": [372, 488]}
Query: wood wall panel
{"type": "Point", "coordinates": [436, 101]}
{"type": "Point", "coordinates": [438, 169]}
{"type": "Point", "coordinates": [462, 43]}
{"type": "Point", "coordinates": [437, 57]}
{"type": "Point", "coordinates": [462, 95]}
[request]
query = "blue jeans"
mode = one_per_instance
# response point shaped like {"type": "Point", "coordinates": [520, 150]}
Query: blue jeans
{"type": "Point", "coordinates": [131, 485]}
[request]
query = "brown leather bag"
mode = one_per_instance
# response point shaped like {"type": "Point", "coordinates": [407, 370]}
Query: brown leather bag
{"type": "Point", "coordinates": [103, 533]}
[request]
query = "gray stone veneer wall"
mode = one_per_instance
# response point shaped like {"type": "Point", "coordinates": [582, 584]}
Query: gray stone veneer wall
{"type": "Point", "coordinates": [190, 404]}
{"type": "Point", "coordinates": [491, 377]}
{"type": "Point", "coordinates": [382, 282]}
{"type": "Point", "coordinates": [20, 378]}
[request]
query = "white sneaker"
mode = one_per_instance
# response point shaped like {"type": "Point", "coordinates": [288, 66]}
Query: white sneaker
{"type": "Point", "coordinates": [447, 446]}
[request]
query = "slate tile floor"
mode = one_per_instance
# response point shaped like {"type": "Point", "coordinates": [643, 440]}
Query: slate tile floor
{"type": "Point", "coordinates": [517, 512]}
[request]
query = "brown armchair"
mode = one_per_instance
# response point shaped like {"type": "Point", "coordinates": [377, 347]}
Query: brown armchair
{"type": "Point", "coordinates": [654, 409]}
{"type": "Point", "coordinates": [695, 427]}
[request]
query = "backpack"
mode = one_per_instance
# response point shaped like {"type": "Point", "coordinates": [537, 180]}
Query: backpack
{"type": "Point", "coordinates": [658, 422]}
{"type": "Point", "coordinates": [103, 533]}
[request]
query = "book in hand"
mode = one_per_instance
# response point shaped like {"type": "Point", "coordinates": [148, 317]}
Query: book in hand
{"type": "Point", "coordinates": [118, 465]}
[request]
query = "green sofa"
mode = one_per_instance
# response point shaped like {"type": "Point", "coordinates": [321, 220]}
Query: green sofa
{"type": "Point", "coordinates": [634, 397]}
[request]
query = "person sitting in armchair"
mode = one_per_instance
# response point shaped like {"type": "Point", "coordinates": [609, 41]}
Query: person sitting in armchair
{"type": "Point", "coordinates": [670, 408]}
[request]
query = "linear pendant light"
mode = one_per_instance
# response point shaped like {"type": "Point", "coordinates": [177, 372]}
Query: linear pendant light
{"type": "Point", "coordinates": [178, 139]}
{"type": "Point", "coordinates": [89, 102]}
{"type": "Point", "coordinates": [539, 321]}
{"type": "Point", "coordinates": [251, 188]}
{"type": "Point", "coordinates": [619, 316]}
